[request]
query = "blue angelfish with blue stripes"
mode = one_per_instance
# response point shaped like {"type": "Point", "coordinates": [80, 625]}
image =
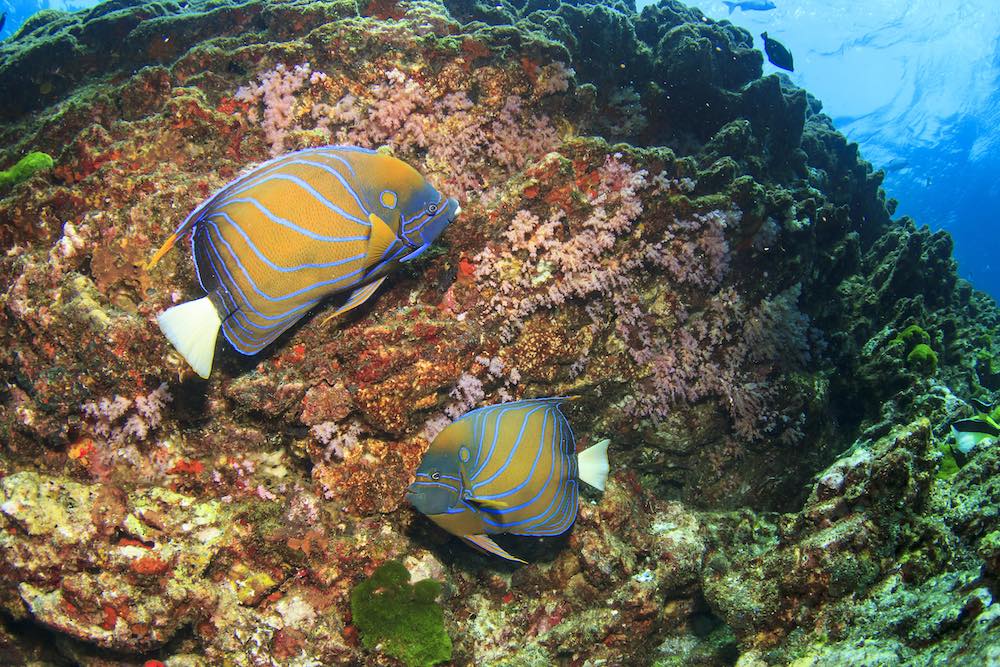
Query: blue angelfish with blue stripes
{"type": "Point", "coordinates": [289, 233]}
{"type": "Point", "coordinates": [507, 468]}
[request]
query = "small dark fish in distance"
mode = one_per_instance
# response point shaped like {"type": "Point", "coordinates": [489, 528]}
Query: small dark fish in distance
{"type": "Point", "coordinates": [897, 164]}
{"type": "Point", "coordinates": [750, 5]}
{"type": "Point", "coordinates": [777, 53]}
{"type": "Point", "coordinates": [3, 19]}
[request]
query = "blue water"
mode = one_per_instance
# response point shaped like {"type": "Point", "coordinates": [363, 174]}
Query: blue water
{"type": "Point", "coordinates": [18, 11]}
{"type": "Point", "coordinates": [915, 82]}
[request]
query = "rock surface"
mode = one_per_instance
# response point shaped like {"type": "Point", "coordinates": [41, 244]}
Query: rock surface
{"type": "Point", "coordinates": [646, 222]}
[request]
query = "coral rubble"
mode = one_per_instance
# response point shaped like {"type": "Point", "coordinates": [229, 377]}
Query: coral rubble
{"type": "Point", "coordinates": [647, 222]}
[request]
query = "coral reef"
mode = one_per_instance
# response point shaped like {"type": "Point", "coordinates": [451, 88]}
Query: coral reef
{"type": "Point", "coordinates": [776, 360]}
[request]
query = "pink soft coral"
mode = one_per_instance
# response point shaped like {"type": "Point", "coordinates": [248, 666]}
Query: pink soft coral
{"type": "Point", "coordinates": [277, 89]}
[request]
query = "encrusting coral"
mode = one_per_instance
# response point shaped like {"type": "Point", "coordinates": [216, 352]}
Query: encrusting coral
{"type": "Point", "coordinates": [727, 293]}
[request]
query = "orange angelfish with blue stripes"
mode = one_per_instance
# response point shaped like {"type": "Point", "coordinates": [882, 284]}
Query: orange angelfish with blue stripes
{"type": "Point", "coordinates": [279, 239]}
{"type": "Point", "coordinates": [507, 468]}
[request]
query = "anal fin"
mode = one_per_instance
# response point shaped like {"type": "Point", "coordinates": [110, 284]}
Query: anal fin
{"type": "Point", "coordinates": [484, 543]}
{"type": "Point", "coordinates": [358, 297]}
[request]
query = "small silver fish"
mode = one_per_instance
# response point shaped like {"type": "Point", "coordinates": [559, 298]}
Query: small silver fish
{"type": "Point", "coordinates": [750, 5]}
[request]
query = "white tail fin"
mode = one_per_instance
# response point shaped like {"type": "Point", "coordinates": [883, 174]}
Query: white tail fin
{"type": "Point", "coordinates": [192, 328]}
{"type": "Point", "coordinates": [593, 464]}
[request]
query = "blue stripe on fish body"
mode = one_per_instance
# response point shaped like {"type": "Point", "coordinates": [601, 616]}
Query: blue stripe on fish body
{"type": "Point", "coordinates": [520, 476]}
{"type": "Point", "coordinates": [277, 240]}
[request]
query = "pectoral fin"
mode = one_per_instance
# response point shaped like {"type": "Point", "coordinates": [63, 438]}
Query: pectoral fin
{"type": "Point", "coordinates": [484, 543]}
{"type": "Point", "coordinates": [381, 240]}
{"type": "Point", "coordinates": [358, 297]}
{"type": "Point", "coordinates": [467, 492]}
{"type": "Point", "coordinates": [492, 504]}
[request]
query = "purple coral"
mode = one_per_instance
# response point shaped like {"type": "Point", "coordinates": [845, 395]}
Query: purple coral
{"type": "Point", "coordinates": [337, 439]}
{"type": "Point", "coordinates": [276, 89]}
{"type": "Point", "coordinates": [726, 349]}
{"type": "Point", "coordinates": [106, 415]}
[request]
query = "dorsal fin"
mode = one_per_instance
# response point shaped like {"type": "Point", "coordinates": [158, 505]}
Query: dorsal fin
{"type": "Point", "coordinates": [164, 249]}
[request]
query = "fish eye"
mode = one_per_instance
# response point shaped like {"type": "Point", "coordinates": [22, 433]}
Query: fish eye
{"type": "Point", "coordinates": [432, 209]}
{"type": "Point", "coordinates": [435, 475]}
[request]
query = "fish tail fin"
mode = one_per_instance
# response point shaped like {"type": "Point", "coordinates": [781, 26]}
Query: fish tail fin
{"type": "Point", "coordinates": [192, 328]}
{"type": "Point", "coordinates": [593, 464]}
{"type": "Point", "coordinates": [731, 5]}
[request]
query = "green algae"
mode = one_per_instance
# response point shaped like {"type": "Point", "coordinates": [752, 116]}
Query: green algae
{"type": "Point", "coordinates": [949, 465]}
{"type": "Point", "coordinates": [400, 618]}
{"type": "Point", "coordinates": [915, 342]}
{"type": "Point", "coordinates": [26, 167]}
{"type": "Point", "coordinates": [922, 358]}
{"type": "Point", "coordinates": [912, 336]}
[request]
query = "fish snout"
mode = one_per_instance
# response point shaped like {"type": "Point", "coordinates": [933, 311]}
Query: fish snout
{"type": "Point", "coordinates": [413, 495]}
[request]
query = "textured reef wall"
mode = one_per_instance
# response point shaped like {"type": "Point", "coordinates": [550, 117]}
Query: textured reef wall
{"type": "Point", "coordinates": [646, 222]}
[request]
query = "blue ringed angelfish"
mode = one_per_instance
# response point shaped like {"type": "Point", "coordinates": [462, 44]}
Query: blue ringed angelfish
{"type": "Point", "coordinates": [279, 239]}
{"type": "Point", "coordinates": [507, 468]}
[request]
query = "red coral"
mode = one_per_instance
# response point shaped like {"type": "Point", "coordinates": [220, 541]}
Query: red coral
{"type": "Point", "coordinates": [110, 617]}
{"type": "Point", "coordinates": [186, 467]}
{"type": "Point", "coordinates": [150, 566]}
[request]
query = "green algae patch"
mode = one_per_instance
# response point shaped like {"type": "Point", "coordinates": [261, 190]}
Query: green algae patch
{"type": "Point", "coordinates": [912, 336]}
{"type": "Point", "coordinates": [28, 166]}
{"type": "Point", "coordinates": [403, 620]}
{"type": "Point", "coordinates": [923, 359]}
{"type": "Point", "coordinates": [948, 466]}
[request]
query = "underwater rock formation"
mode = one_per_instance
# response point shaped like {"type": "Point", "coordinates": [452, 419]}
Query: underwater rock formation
{"type": "Point", "coordinates": [727, 292]}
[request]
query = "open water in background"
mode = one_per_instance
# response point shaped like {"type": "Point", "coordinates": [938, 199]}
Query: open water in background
{"type": "Point", "coordinates": [917, 84]}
